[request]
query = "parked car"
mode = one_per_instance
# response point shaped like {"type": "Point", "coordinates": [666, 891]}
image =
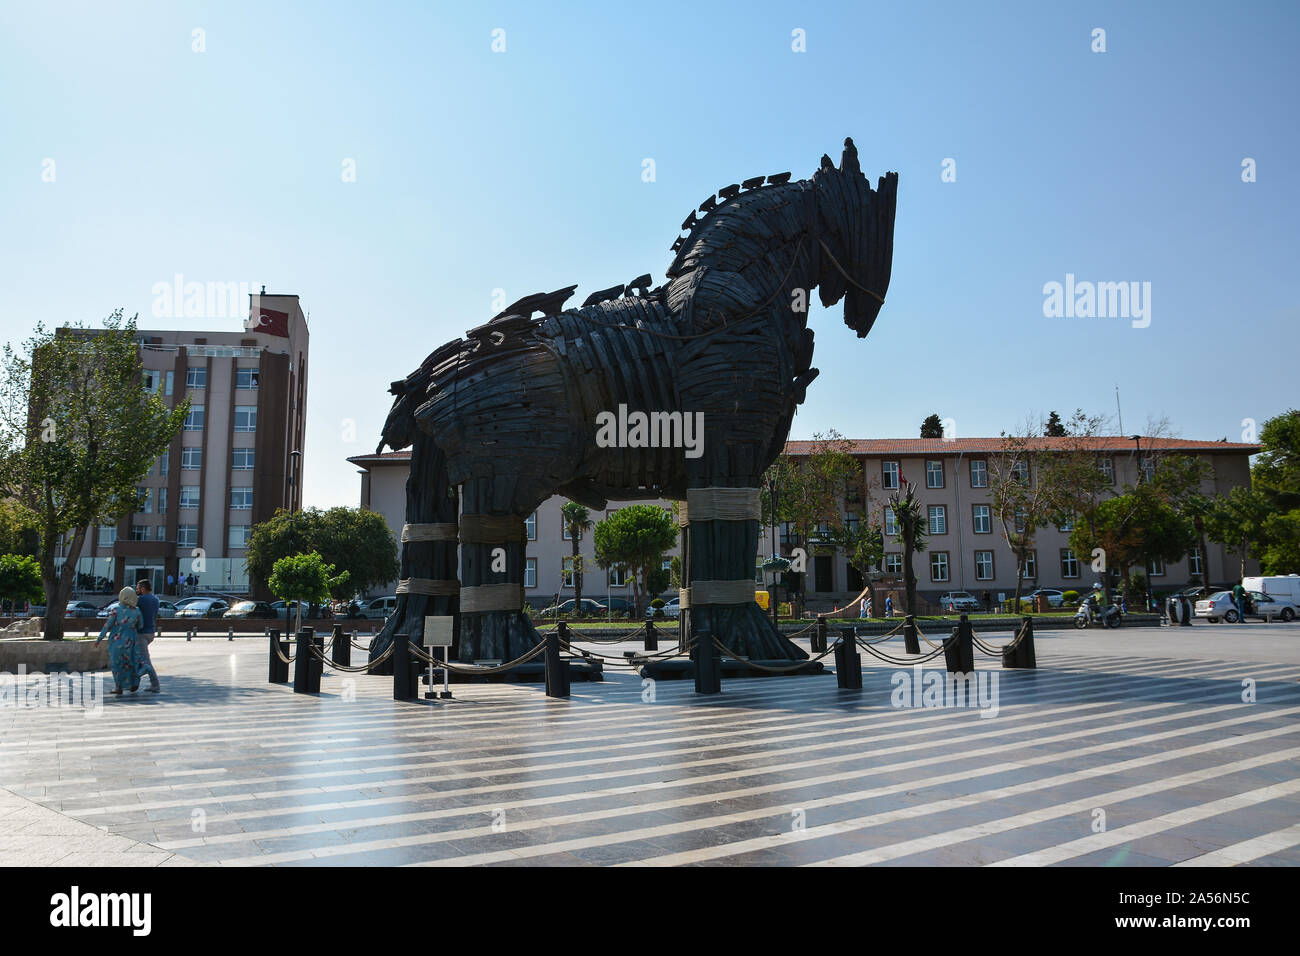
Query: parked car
{"type": "Point", "coordinates": [565, 609]}
{"type": "Point", "coordinates": [165, 609]}
{"type": "Point", "coordinates": [959, 601]}
{"type": "Point", "coordinates": [378, 609]}
{"type": "Point", "coordinates": [1219, 606]}
{"type": "Point", "coordinates": [250, 609]}
{"type": "Point", "coordinates": [1055, 597]}
{"type": "Point", "coordinates": [203, 607]}
{"type": "Point", "coordinates": [81, 609]}
{"type": "Point", "coordinates": [672, 608]}
{"type": "Point", "coordinates": [620, 606]}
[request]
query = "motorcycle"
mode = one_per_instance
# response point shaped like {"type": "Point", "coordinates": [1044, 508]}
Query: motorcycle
{"type": "Point", "coordinates": [1088, 616]}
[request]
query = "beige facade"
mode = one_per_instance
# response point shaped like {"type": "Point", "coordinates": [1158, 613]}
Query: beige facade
{"type": "Point", "coordinates": [231, 465]}
{"type": "Point", "coordinates": [965, 549]}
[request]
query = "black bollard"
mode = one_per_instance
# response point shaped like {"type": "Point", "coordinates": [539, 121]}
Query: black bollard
{"type": "Point", "coordinates": [848, 662]}
{"type": "Point", "coordinates": [651, 640]}
{"type": "Point", "coordinates": [406, 676]}
{"type": "Point", "coordinates": [557, 669]}
{"type": "Point", "coordinates": [279, 668]}
{"type": "Point", "coordinates": [1022, 654]}
{"type": "Point", "coordinates": [341, 653]}
{"type": "Point", "coordinates": [708, 664]}
{"type": "Point", "coordinates": [959, 650]}
{"type": "Point", "coordinates": [910, 644]}
{"type": "Point", "coordinates": [305, 671]}
{"type": "Point", "coordinates": [819, 637]}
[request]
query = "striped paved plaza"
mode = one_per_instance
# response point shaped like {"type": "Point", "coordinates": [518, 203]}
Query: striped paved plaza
{"type": "Point", "coordinates": [1131, 748]}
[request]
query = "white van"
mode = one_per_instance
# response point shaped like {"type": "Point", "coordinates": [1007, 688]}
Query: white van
{"type": "Point", "coordinates": [380, 607]}
{"type": "Point", "coordinates": [1284, 586]}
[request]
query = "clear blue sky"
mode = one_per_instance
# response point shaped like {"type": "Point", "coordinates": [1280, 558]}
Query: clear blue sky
{"type": "Point", "coordinates": [522, 171]}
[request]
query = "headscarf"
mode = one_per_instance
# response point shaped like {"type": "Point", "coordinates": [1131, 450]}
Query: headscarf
{"type": "Point", "coordinates": [127, 596]}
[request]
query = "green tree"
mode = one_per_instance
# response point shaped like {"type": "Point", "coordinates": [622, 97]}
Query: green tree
{"type": "Point", "coordinates": [305, 578]}
{"type": "Point", "coordinates": [77, 434]}
{"type": "Point", "coordinates": [352, 539]}
{"type": "Point", "coordinates": [1023, 501]}
{"type": "Point", "coordinates": [911, 535]}
{"type": "Point", "coordinates": [1276, 472]}
{"type": "Point", "coordinates": [635, 539]}
{"type": "Point", "coordinates": [1132, 529]}
{"type": "Point", "coordinates": [1281, 550]}
{"type": "Point", "coordinates": [18, 533]}
{"type": "Point", "coordinates": [1054, 427]}
{"type": "Point", "coordinates": [863, 544]}
{"type": "Point", "coordinates": [932, 427]}
{"type": "Point", "coordinates": [20, 580]}
{"type": "Point", "coordinates": [576, 520]}
{"type": "Point", "coordinates": [1237, 521]}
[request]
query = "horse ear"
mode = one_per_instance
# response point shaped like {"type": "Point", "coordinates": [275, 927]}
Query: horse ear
{"type": "Point", "coordinates": [849, 160]}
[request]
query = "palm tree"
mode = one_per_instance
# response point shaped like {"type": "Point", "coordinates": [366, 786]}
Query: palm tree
{"type": "Point", "coordinates": [577, 519]}
{"type": "Point", "coordinates": [911, 535]}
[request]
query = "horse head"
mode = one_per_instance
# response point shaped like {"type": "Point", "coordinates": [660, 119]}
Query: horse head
{"type": "Point", "coordinates": [855, 238]}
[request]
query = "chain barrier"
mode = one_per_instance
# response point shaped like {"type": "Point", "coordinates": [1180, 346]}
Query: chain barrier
{"type": "Point", "coordinates": [484, 671]}
{"type": "Point", "coordinates": [283, 659]}
{"type": "Point", "coordinates": [320, 656]}
{"type": "Point", "coordinates": [870, 649]}
{"type": "Point", "coordinates": [926, 639]}
{"type": "Point", "coordinates": [774, 670]}
{"type": "Point", "coordinates": [992, 651]}
{"type": "Point", "coordinates": [672, 652]}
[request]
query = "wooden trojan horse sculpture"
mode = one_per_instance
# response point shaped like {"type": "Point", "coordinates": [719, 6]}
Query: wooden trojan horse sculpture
{"type": "Point", "coordinates": [511, 414]}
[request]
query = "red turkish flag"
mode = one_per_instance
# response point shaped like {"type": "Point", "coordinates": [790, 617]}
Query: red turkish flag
{"type": "Point", "coordinates": [269, 321]}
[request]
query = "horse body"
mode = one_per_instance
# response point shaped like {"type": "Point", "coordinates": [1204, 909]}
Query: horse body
{"type": "Point", "coordinates": [512, 411]}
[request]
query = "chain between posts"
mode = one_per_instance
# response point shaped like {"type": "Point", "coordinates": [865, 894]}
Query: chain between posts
{"type": "Point", "coordinates": [774, 670]}
{"type": "Point", "coordinates": [320, 656]}
{"type": "Point", "coordinates": [870, 649]}
{"type": "Point", "coordinates": [992, 651]}
{"type": "Point", "coordinates": [481, 671]}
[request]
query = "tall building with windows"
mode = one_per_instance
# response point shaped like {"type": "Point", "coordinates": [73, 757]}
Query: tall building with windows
{"type": "Point", "coordinates": [231, 465]}
{"type": "Point", "coordinates": [965, 545]}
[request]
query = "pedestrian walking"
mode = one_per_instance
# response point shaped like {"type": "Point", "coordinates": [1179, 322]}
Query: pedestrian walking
{"type": "Point", "coordinates": [147, 602]}
{"type": "Point", "coordinates": [1239, 599]}
{"type": "Point", "coordinates": [121, 627]}
{"type": "Point", "coordinates": [889, 605]}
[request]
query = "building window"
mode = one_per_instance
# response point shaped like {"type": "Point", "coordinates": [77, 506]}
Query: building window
{"type": "Point", "coordinates": [983, 565]}
{"type": "Point", "coordinates": [162, 502]}
{"type": "Point", "coordinates": [164, 463]}
{"type": "Point", "coordinates": [239, 535]}
{"type": "Point", "coordinates": [151, 378]}
{"type": "Point", "coordinates": [107, 535]}
{"type": "Point", "coordinates": [1066, 524]}
{"type": "Point", "coordinates": [245, 378]}
{"type": "Point", "coordinates": [938, 520]}
{"type": "Point", "coordinates": [564, 530]}
{"type": "Point", "coordinates": [1069, 564]}
{"type": "Point", "coordinates": [1156, 569]}
{"type": "Point", "coordinates": [1148, 467]}
{"type": "Point", "coordinates": [189, 496]}
{"type": "Point", "coordinates": [893, 563]}
{"type": "Point", "coordinates": [143, 501]}
{"type": "Point", "coordinates": [1194, 562]}
{"type": "Point", "coordinates": [530, 572]}
{"type": "Point", "coordinates": [194, 420]}
{"type": "Point", "coordinates": [1020, 472]}
{"type": "Point", "coordinates": [979, 473]}
{"type": "Point", "coordinates": [891, 522]}
{"type": "Point", "coordinates": [939, 566]}
{"type": "Point", "coordinates": [168, 381]}
{"type": "Point", "coordinates": [196, 376]}
{"type": "Point", "coordinates": [530, 528]}
{"type": "Point", "coordinates": [889, 475]}
{"type": "Point", "coordinates": [139, 532]}
{"type": "Point", "coordinates": [187, 535]}
{"type": "Point", "coordinates": [191, 459]}
{"type": "Point", "coordinates": [566, 571]}
{"type": "Point", "coordinates": [245, 418]}
{"type": "Point", "coordinates": [241, 459]}
{"type": "Point", "coordinates": [617, 576]}
{"type": "Point", "coordinates": [933, 474]}
{"type": "Point", "coordinates": [241, 499]}
{"type": "Point", "coordinates": [983, 519]}
{"type": "Point", "coordinates": [1020, 518]}
{"type": "Point", "coordinates": [1031, 564]}
{"type": "Point", "coordinates": [1107, 468]}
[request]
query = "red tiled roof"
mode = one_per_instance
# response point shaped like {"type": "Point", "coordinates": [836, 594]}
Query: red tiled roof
{"type": "Point", "coordinates": [930, 446]}
{"type": "Point", "coordinates": [923, 446]}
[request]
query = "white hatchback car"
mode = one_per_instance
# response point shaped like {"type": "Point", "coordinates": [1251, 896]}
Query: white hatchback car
{"type": "Point", "coordinates": [1218, 606]}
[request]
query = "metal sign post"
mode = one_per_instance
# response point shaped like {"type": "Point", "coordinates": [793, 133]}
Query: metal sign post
{"type": "Point", "coordinates": [438, 632]}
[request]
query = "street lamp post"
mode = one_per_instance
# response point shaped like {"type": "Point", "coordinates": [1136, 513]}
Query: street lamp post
{"type": "Point", "coordinates": [294, 455]}
{"type": "Point", "coordinates": [771, 495]}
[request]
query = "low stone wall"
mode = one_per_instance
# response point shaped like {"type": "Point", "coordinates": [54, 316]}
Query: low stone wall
{"type": "Point", "coordinates": [51, 656]}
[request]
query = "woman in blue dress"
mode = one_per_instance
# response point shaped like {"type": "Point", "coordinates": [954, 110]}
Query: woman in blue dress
{"type": "Point", "coordinates": [122, 625]}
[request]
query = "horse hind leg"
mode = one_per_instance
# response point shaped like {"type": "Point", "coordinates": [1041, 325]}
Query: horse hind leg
{"type": "Point", "coordinates": [493, 624]}
{"type": "Point", "coordinates": [427, 585]}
